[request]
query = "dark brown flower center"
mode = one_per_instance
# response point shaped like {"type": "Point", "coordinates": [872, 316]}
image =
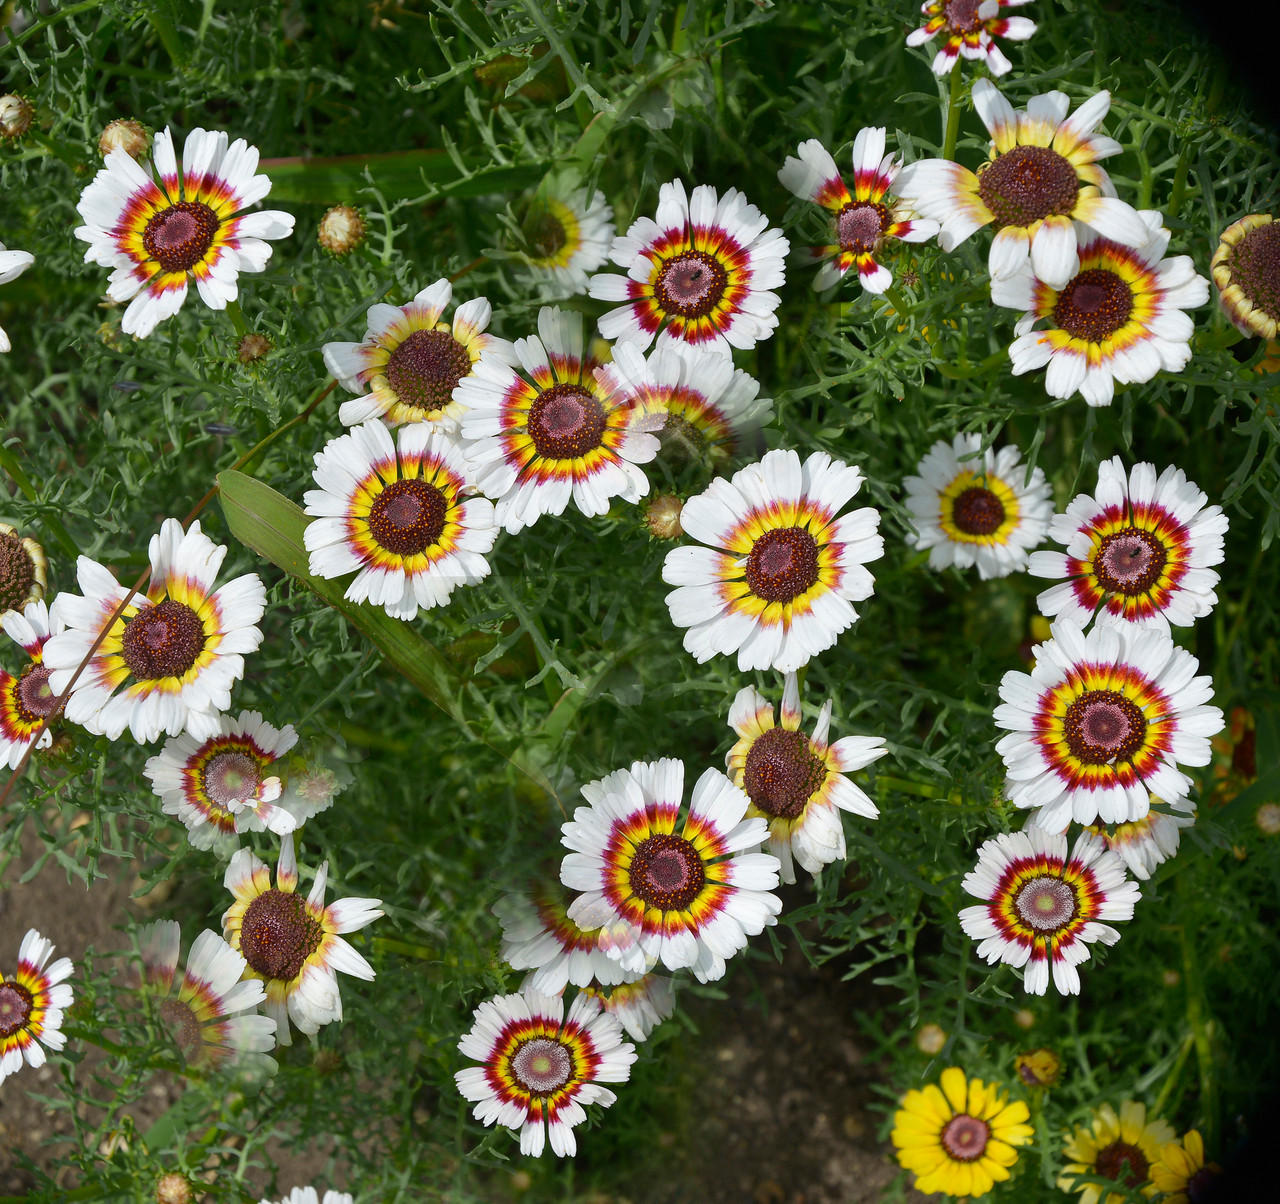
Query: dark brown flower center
{"type": "Point", "coordinates": [962, 15]}
{"type": "Point", "coordinates": [666, 872]}
{"type": "Point", "coordinates": [1027, 184]}
{"type": "Point", "coordinates": [1123, 1163]}
{"type": "Point", "coordinates": [424, 370]}
{"type": "Point", "coordinates": [783, 564]}
{"type": "Point", "coordinates": [1102, 726]}
{"type": "Point", "coordinates": [1093, 306]}
{"type": "Point", "coordinates": [859, 226]}
{"type": "Point", "coordinates": [33, 698]}
{"type": "Point", "coordinates": [408, 517]}
{"type": "Point", "coordinates": [965, 1137]}
{"type": "Point", "coordinates": [1046, 903]}
{"type": "Point", "coordinates": [179, 237]}
{"type": "Point", "coordinates": [15, 1007]}
{"type": "Point", "coordinates": [566, 422]}
{"type": "Point", "coordinates": [977, 511]}
{"type": "Point", "coordinates": [17, 572]}
{"type": "Point", "coordinates": [231, 777]}
{"type": "Point", "coordinates": [691, 284]}
{"type": "Point", "coordinates": [1201, 1187]}
{"type": "Point", "coordinates": [163, 640]}
{"type": "Point", "coordinates": [1255, 267]}
{"type": "Point", "coordinates": [183, 1026]}
{"type": "Point", "coordinates": [782, 774]}
{"type": "Point", "coordinates": [277, 935]}
{"type": "Point", "coordinates": [542, 1066]}
{"type": "Point", "coordinates": [545, 233]}
{"type": "Point", "coordinates": [681, 440]}
{"type": "Point", "coordinates": [1129, 562]}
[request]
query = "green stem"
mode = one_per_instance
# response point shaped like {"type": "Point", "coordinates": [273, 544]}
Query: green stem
{"type": "Point", "coordinates": [1200, 1036]}
{"type": "Point", "coordinates": [1179, 180]}
{"type": "Point", "coordinates": [1042, 1136]}
{"type": "Point", "coordinates": [953, 116]}
{"type": "Point", "coordinates": [163, 22]}
{"type": "Point", "coordinates": [237, 318]}
{"type": "Point", "coordinates": [895, 298]}
{"type": "Point", "coordinates": [9, 462]}
{"type": "Point", "coordinates": [52, 19]}
{"type": "Point", "coordinates": [1171, 1079]}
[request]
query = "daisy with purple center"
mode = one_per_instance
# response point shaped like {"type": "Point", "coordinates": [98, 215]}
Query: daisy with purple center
{"type": "Point", "coordinates": [783, 567]}
{"type": "Point", "coordinates": [33, 1000]}
{"type": "Point", "coordinates": [969, 29]}
{"type": "Point", "coordinates": [567, 233]}
{"type": "Point", "coordinates": [160, 228]}
{"type": "Point", "coordinates": [409, 362]}
{"type": "Point", "coordinates": [219, 787]}
{"type": "Point", "coordinates": [1146, 843]}
{"type": "Point", "coordinates": [539, 1067]}
{"type": "Point", "coordinates": [1041, 908]}
{"type": "Point", "coordinates": [1043, 176]}
{"type": "Point", "coordinates": [1246, 270]}
{"type": "Point", "coordinates": [26, 698]}
{"type": "Point", "coordinates": [640, 1006]}
{"type": "Point", "coordinates": [699, 271]}
{"type": "Point", "coordinates": [796, 782]}
{"type": "Point", "coordinates": [688, 899]}
{"type": "Point", "coordinates": [24, 570]}
{"type": "Point", "coordinates": [168, 662]}
{"type": "Point", "coordinates": [210, 1016]}
{"type": "Point", "coordinates": [554, 431]}
{"type": "Point", "coordinates": [12, 265]}
{"type": "Point", "coordinates": [1138, 553]}
{"type": "Point", "coordinates": [862, 223]}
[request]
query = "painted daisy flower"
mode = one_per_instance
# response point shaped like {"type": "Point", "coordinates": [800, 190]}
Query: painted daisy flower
{"type": "Point", "coordinates": [204, 1015]}
{"type": "Point", "coordinates": [1121, 1148]}
{"type": "Point", "coordinates": [308, 1195]}
{"type": "Point", "coordinates": [294, 945]}
{"type": "Point", "coordinates": [777, 583]}
{"type": "Point", "coordinates": [699, 271]}
{"type": "Point", "coordinates": [175, 650]}
{"type": "Point", "coordinates": [686, 900]}
{"type": "Point", "coordinates": [640, 1006]}
{"type": "Point", "coordinates": [1117, 317]}
{"type": "Point", "coordinates": [861, 223]}
{"type": "Point", "coordinates": [409, 362]}
{"type": "Point", "coordinates": [220, 787]}
{"type": "Point", "coordinates": [568, 232]}
{"type": "Point", "coordinates": [1183, 1173]}
{"type": "Point", "coordinates": [538, 1068]}
{"type": "Point", "coordinates": [958, 1136]}
{"type": "Point", "coordinates": [26, 699]}
{"type": "Point", "coordinates": [1041, 908]}
{"type": "Point", "coordinates": [1101, 723]}
{"type": "Point", "coordinates": [24, 571]}
{"type": "Point", "coordinates": [160, 228]}
{"type": "Point", "coordinates": [12, 265]}
{"type": "Point", "coordinates": [538, 935]}
{"type": "Point", "coordinates": [969, 29]}
{"type": "Point", "coordinates": [556, 432]}
{"type": "Point", "coordinates": [1246, 269]}
{"type": "Point", "coordinates": [1137, 554]}
{"type": "Point", "coordinates": [709, 410]}
{"type": "Point", "coordinates": [796, 782]}
{"type": "Point", "coordinates": [1145, 843]}
{"type": "Point", "coordinates": [32, 1002]}
{"type": "Point", "coordinates": [1043, 173]}
{"type": "Point", "coordinates": [397, 513]}
{"type": "Point", "coordinates": [969, 511]}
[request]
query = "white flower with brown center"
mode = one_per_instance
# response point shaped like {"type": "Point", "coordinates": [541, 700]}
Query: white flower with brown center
{"type": "Point", "coordinates": [168, 662]}
{"type": "Point", "coordinates": [796, 782]}
{"type": "Point", "coordinates": [1144, 844]}
{"type": "Point", "coordinates": [33, 1000]}
{"type": "Point", "coordinates": [26, 698]}
{"type": "Point", "coordinates": [1246, 269]}
{"type": "Point", "coordinates": [12, 265]}
{"type": "Point", "coordinates": [567, 233]}
{"type": "Point", "coordinates": [640, 1006]}
{"type": "Point", "coordinates": [410, 361]}
{"type": "Point", "coordinates": [968, 29]}
{"type": "Point", "coordinates": [24, 571]}
{"type": "Point", "coordinates": [161, 228]}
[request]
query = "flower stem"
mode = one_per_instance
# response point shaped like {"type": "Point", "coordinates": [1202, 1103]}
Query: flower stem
{"type": "Point", "coordinates": [953, 116]}
{"type": "Point", "coordinates": [237, 318]}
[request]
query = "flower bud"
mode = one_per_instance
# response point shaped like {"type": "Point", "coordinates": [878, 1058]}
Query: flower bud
{"type": "Point", "coordinates": [253, 347]}
{"type": "Point", "coordinates": [127, 135]}
{"type": "Point", "coordinates": [1267, 817]}
{"type": "Point", "coordinates": [930, 1038]}
{"type": "Point", "coordinates": [173, 1188]}
{"type": "Point", "coordinates": [662, 516]}
{"type": "Point", "coordinates": [341, 230]}
{"type": "Point", "coordinates": [1039, 1067]}
{"type": "Point", "coordinates": [1024, 1018]}
{"type": "Point", "coordinates": [15, 116]}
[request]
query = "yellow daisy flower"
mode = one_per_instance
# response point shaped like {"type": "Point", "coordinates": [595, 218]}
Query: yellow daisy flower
{"type": "Point", "coordinates": [1182, 1173]}
{"type": "Point", "coordinates": [1121, 1147]}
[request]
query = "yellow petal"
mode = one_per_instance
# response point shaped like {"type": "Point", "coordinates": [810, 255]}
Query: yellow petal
{"type": "Point", "coordinates": [954, 1087]}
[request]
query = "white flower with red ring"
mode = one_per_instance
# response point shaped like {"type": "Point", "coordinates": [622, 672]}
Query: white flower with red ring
{"type": "Point", "coordinates": [160, 228]}
{"type": "Point", "coordinates": [796, 782]}
{"type": "Point", "coordinates": [219, 787]}
{"type": "Point", "coordinates": [210, 1015]}
{"type": "Point", "coordinates": [777, 583]}
{"type": "Point", "coordinates": [1043, 177]}
{"type": "Point", "coordinates": [168, 662]}
{"type": "Point", "coordinates": [539, 1068]}
{"type": "Point", "coordinates": [398, 513]}
{"type": "Point", "coordinates": [640, 1006]}
{"type": "Point", "coordinates": [969, 29]}
{"type": "Point", "coordinates": [409, 362]}
{"type": "Point", "coordinates": [294, 944]}
{"type": "Point", "coordinates": [689, 899]}
{"type": "Point", "coordinates": [1043, 908]}
{"type": "Point", "coordinates": [1246, 270]}
{"type": "Point", "coordinates": [12, 265]}
{"type": "Point", "coordinates": [555, 431]}
{"type": "Point", "coordinates": [33, 1000]}
{"type": "Point", "coordinates": [699, 271]}
{"type": "Point", "coordinates": [568, 232]}
{"type": "Point", "coordinates": [1137, 553]}
{"type": "Point", "coordinates": [26, 697]}
{"type": "Point", "coordinates": [1118, 317]}
{"type": "Point", "coordinates": [1101, 724]}
{"type": "Point", "coordinates": [862, 223]}
{"type": "Point", "coordinates": [1146, 843]}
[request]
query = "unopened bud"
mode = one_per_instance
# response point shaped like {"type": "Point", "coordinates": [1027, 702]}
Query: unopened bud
{"type": "Point", "coordinates": [341, 230]}
{"type": "Point", "coordinates": [173, 1189]}
{"type": "Point", "coordinates": [127, 135]}
{"type": "Point", "coordinates": [662, 516]}
{"type": "Point", "coordinates": [1039, 1068]}
{"type": "Point", "coordinates": [930, 1039]}
{"type": "Point", "coordinates": [253, 347]}
{"type": "Point", "coordinates": [1024, 1018]}
{"type": "Point", "coordinates": [1267, 817]}
{"type": "Point", "coordinates": [15, 116]}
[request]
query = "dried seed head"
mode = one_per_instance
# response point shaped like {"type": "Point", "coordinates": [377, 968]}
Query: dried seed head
{"type": "Point", "coordinates": [662, 516]}
{"type": "Point", "coordinates": [15, 116]}
{"type": "Point", "coordinates": [127, 135]}
{"type": "Point", "coordinates": [341, 230]}
{"type": "Point", "coordinates": [173, 1188]}
{"type": "Point", "coordinates": [253, 347]}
